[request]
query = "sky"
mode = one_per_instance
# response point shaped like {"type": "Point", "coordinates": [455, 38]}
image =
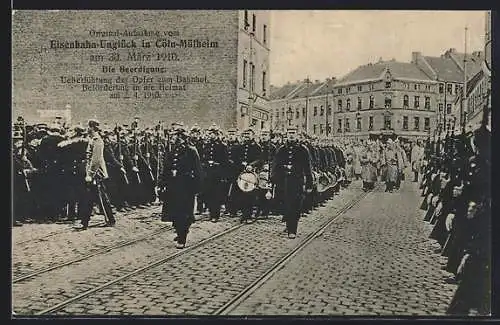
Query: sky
{"type": "Point", "coordinates": [330, 43]}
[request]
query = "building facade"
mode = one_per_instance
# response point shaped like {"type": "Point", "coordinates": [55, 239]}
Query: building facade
{"type": "Point", "coordinates": [193, 69]}
{"type": "Point", "coordinates": [253, 70]}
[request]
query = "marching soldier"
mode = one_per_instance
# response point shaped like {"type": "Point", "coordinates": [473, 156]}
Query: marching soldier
{"type": "Point", "coordinates": [264, 194]}
{"type": "Point", "coordinates": [292, 172]}
{"type": "Point", "coordinates": [233, 153]}
{"type": "Point", "coordinates": [214, 161]}
{"type": "Point", "coordinates": [180, 182]}
{"type": "Point", "coordinates": [96, 173]}
{"type": "Point", "coordinates": [248, 160]}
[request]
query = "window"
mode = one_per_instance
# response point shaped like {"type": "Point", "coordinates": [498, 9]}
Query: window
{"type": "Point", "coordinates": [297, 114]}
{"type": "Point", "coordinates": [387, 84]}
{"type": "Point", "coordinates": [277, 115]}
{"type": "Point", "coordinates": [303, 111]}
{"type": "Point", "coordinates": [245, 73]}
{"type": "Point", "coordinates": [387, 122]}
{"type": "Point", "coordinates": [339, 104]}
{"type": "Point", "coordinates": [427, 103]}
{"type": "Point", "coordinates": [264, 34]}
{"type": "Point", "coordinates": [348, 90]}
{"type": "Point", "coordinates": [321, 111]}
{"type": "Point", "coordinates": [448, 108]}
{"type": "Point", "coordinates": [252, 77]}
{"type": "Point", "coordinates": [359, 103]}
{"type": "Point", "coordinates": [417, 87]}
{"type": "Point", "coordinates": [261, 124]}
{"type": "Point", "coordinates": [405, 101]}
{"type": "Point", "coordinates": [441, 88]}
{"type": "Point", "coordinates": [254, 122]}
{"type": "Point", "coordinates": [348, 104]}
{"type": "Point", "coordinates": [449, 88]}
{"type": "Point", "coordinates": [245, 23]}
{"type": "Point", "coordinates": [263, 83]}
{"type": "Point", "coordinates": [371, 87]}
{"type": "Point", "coordinates": [405, 122]}
{"type": "Point", "coordinates": [340, 126]}
{"type": "Point", "coordinates": [417, 122]}
{"type": "Point", "coordinates": [388, 102]}
{"type": "Point", "coordinates": [427, 124]}
{"type": "Point", "coordinates": [329, 110]}
{"type": "Point", "coordinates": [440, 107]}
{"type": "Point", "coordinates": [360, 88]}
{"type": "Point", "coordinates": [314, 128]}
{"type": "Point", "coordinates": [372, 101]}
{"type": "Point", "coordinates": [339, 91]}
{"type": "Point", "coordinates": [254, 22]}
{"type": "Point", "coordinates": [370, 123]}
{"type": "Point", "coordinates": [416, 104]}
{"type": "Point", "coordinates": [358, 123]}
{"type": "Point", "coordinates": [321, 129]}
{"type": "Point", "coordinates": [347, 126]}
{"type": "Point", "coordinates": [315, 110]}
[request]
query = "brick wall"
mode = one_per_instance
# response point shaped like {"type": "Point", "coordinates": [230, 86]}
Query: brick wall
{"type": "Point", "coordinates": [36, 73]}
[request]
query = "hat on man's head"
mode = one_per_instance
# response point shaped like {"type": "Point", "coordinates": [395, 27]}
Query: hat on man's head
{"type": "Point", "coordinates": [195, 128]}
{"type": "Point", "coordinates": [93, 123]}
{"type": "Point", "coordinates": [17, 135]}
{"type": "Point", "coordinates": [232, 131]}
{"type": "Point", "coordinates": [249, 131]}
{"type": "Point", "coordinates": [292, 128]}
{"type": "Point", "coordinates": [265, 132]}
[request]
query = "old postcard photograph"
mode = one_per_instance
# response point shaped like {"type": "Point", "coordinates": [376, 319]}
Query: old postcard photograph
{"type": "Point", "coordinates": [251, 163]}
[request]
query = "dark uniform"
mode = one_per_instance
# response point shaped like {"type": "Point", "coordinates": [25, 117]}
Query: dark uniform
{"type": "Point", "coordinates": [180, 182]}
{"type": "Point", "coordinates": [292, 171]}
{"type": "Point", "coordinates": [214, 162]}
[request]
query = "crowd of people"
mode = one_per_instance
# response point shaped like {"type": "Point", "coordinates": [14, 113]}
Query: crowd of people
{"type": "Point", "coordinates": [456, 194]}
{"type": "Point", "coordinates": [62, 174]}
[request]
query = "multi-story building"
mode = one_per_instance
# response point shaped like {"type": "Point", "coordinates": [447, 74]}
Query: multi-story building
{"type": "Point", "coordinates": [305, 104]}
{"type": "Point", "coordinates": [194, 66]}
{"type": "Point", "coordinates": [385, 99]}
{"type": "Point", "coordinates": [253, 69]}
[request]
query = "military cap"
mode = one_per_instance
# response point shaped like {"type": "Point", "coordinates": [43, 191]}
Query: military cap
{"type": "Point", "coordinates": [195, 128]}
{"type": "Point", "coordinates": [232, 131]}
{"type": "Point", "coordinates": [93, 123]}
{"type": "Point", "coordinates": [213, 128]}
{"type": "Point", "coordinates": [265, 132]}
{"type": "Point", "coordinates": [293, 128]}
{"type": "Point", "coordinates": [249, 131]}
{"type": "Point", "coordinates": [78, 128]}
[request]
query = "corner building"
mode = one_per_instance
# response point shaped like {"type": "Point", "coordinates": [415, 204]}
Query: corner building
{"type": "Point", "coordinates": [206, 49]}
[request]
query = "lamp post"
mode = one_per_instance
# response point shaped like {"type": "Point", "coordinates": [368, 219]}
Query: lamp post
{"type": "Point", "coordinates": [307, 105]}
{"type": "Point", "coordinates": [289, 116]}
{"type": "Point", "coordinates": [358, 115]}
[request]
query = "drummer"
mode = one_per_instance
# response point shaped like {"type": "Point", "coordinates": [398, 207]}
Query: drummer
{"type": "Point", "coordinates": [250, 154]}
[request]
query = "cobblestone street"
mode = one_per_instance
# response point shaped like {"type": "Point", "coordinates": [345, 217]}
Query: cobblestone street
{"type": "Point", "coordinates": [374, 259]}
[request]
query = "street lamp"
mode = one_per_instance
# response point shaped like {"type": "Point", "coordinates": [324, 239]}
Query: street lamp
{"type": "Point", "coordinates": [289, 116]}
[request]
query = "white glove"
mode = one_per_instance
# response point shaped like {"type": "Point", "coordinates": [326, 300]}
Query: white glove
{"type": "Point", "coordinates": [135, 169]}
{"type": "Point", "coordinates": [136, 157]}
{"type": "Point", "coordinates": [449, 221]}
{"type": "Point", "coordinates": [88, 179]}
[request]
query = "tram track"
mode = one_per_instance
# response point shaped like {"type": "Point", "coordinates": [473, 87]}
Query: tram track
{"type": "Point", "coordinates": [249, 290]}
{"type": "Point", "coordinates": [191, 249]}
{"type": "Point", "coordinates": [64, 231]}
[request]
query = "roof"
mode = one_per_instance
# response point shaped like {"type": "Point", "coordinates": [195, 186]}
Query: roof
{"type": "Point", "coordinates": [375, 70]}
{"type": "Point", "coordinates": [307, 89]}
{"type": "Point", "coordinates": [283, 91]}
{"type": "Point", "coordinates": [446, 68]}
{"type": "Point", "coordinates": [325, 88]}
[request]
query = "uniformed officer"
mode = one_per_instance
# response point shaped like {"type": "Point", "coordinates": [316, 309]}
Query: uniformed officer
{"type": "Point", "coordinates": [96, 173]}
{"type": "Point", "coordinates": [292, 172]}
{"type": "Point", "coordinates": [214, 161]}
{"type": "Point", "coordinates": [180, 182]}
{"type": "Point", "coordinates": [232, 171]}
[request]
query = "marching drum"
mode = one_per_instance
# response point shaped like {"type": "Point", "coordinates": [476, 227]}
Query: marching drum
{"type": "Point", "coordinates": [247, 181]}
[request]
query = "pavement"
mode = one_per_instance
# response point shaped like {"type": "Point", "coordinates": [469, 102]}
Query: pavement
{"type": "Point", "coordinates": [375, 260]}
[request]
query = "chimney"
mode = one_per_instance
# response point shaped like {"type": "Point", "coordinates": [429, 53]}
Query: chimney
{"type": "Point", "coordinates": [415, 56]}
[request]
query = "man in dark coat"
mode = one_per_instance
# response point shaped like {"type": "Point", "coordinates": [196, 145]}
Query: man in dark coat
{"type": "Point", "coordinates": [214, 161]}
{"type": "Point", "coordinates": [180, 182]}
{"type": "Point", "coordinates": [292, 172]}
